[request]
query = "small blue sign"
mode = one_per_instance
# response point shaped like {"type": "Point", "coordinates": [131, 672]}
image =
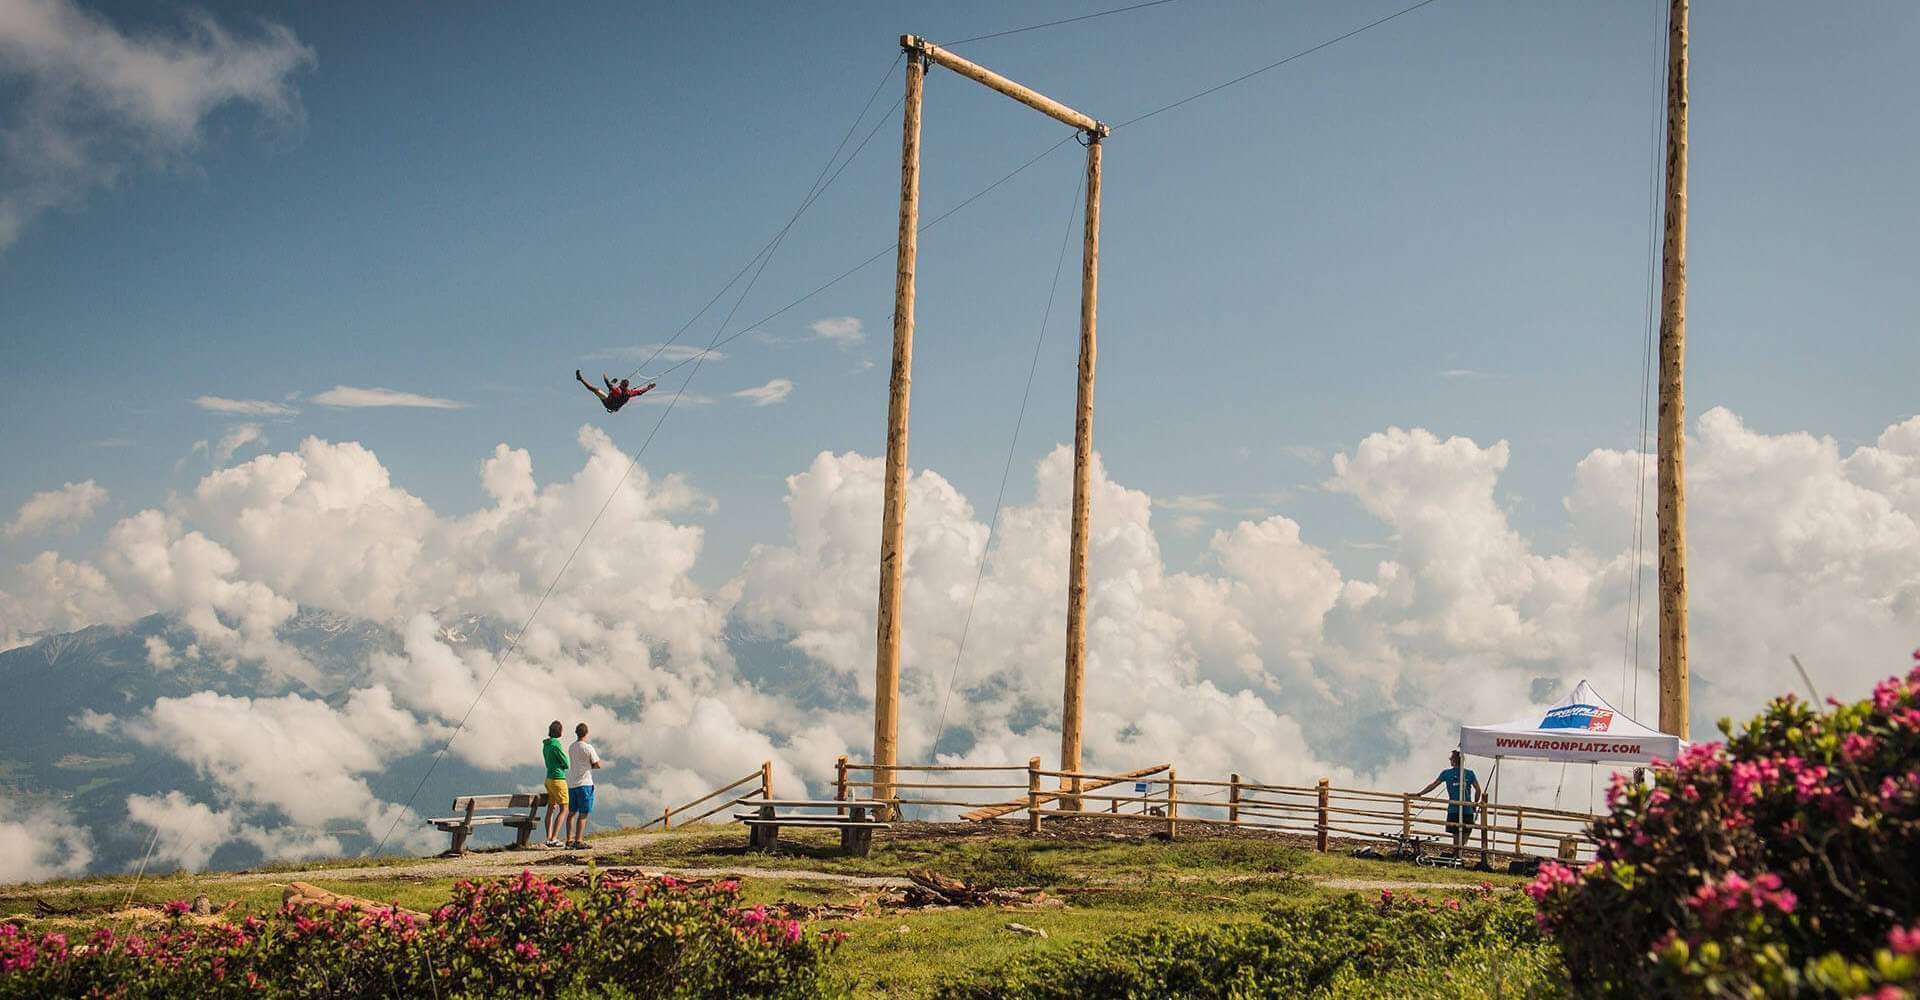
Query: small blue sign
{"type": "Point", "coordinates": [1140, 788]}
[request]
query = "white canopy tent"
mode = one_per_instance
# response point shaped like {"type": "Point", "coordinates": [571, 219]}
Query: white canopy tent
{"type": "Point", "coordinates": [1580, 728]}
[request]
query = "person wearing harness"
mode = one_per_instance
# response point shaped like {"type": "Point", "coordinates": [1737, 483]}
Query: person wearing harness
{"type": "Point", "coordinates": [615, 396]}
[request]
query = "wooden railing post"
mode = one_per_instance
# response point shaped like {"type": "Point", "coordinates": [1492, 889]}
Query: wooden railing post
{"type": "Point", "coordinates": [1406, 815]}
{"type": "Point", "coordinates": [1033, 795]}
{"type": "Point", "coordinates": [1173, 805]}
{"type": "Point", "coordinates": [1233, 798]}
{"type": "Point", "coordinates": [1320, 820]}
{"type": "Point", "coordinates": [840, 781]}
{"type": "Point", "coordinates": [666, 818]}
{"type": "Point", "coordinates": [1486, 834]}
{"type": "Point", "coordinates": [766, 779]}
{"type": "Point", "coordinates": [1519, 823]}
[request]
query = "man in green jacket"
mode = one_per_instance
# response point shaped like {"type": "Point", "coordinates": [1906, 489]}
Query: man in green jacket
{"type": "Point", "coordinates": [555, 757]}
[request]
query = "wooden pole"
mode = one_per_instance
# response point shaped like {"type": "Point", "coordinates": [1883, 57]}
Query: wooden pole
{"type": "Point", "coordinates": [1673, 348]}
{"type": "Point", "coordinates": [1406, 815]}
{"type": "Point", "coordinates": [893, 521]}
{"type": "Point", "coordinates": [1320, 819]}
{"type": "Point", "coordinates": [1233, 798]}
{"type": "Point", "coordinates": [980, 74]}
{"type": "Point", "coordinates": [766, 779]}
{"type": "Point", "coordinates": [1072, 701]}
{"type": "Point", "coordinates": [1033, 795]}
{"type": "Point", "coordinates": [840, 782]}
{"type": "Point", "coordinates": [1173, 805]}
{"type": "Point", "coordinates": [1486, 811]}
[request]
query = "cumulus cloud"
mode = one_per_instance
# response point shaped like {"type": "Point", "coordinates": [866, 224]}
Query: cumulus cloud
{"type": "Point", "coordinates": [774, 392]}
{"type": "Point", "coordinates": [244, 407]}
{"type": "Point", "coordinates": [67, 507]}
{"type": "Point", "coordinates": [1267, 659]}
{"type": "Point", "coordinates": [186, 833]}
{"type": "Point", "coordinates": [841, 331]}
{"type": "Point", "coordinates": [349, 397]}
{"type": "Point", "coordinates": [40, 841]}
{"type": "Point", "coordinates": [296, 755]}
{"type": "Point", "coordinates": [91, 100]}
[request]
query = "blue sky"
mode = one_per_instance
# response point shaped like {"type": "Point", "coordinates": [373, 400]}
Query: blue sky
{"type": "Point", "coordinates": [1439, 223]}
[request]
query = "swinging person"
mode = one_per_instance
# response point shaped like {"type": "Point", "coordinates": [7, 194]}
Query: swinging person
{"type": "Point", "coordinates": [615, 396]}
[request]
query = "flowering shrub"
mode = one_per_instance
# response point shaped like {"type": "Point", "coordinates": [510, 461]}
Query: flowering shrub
{"type": "Point", "coordinates": [521, 937]}
{"type": "Point", "coordinates": [1779, 863]}
{"type": "Point", "coordinates": [1346, 946]}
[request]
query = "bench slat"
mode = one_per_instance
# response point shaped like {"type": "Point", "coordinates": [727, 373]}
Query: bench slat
{"type": "Point", "coordinates": [488, 820]}
{"type": "Point", "coordinates": [805, 821]}
{"type": "Point", "coordinates": [509, 800]}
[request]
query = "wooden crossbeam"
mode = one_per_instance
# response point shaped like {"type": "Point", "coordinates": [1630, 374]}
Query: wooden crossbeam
{"type": "Point", "coordinates": [988, 78]}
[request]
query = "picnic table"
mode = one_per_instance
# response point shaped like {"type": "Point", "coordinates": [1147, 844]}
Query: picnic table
{"type": "Point", "coordinates": [855, 819]}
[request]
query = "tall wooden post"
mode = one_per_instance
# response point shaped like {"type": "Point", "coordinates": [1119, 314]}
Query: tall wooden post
{"type": "Point", "coordinates": [1033, 795]}
{"type": "Point", "coordinates": [1073, 700]}
{"type": "Point", "coordinates": [1672, 508]}
{"type": "Point", "coordinates": [893, 520]}
{"type": "Point", "coordinates": [1320, 816]}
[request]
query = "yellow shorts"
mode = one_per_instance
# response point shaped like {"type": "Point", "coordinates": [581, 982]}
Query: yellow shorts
{"type": "Point", "coordinates": [557, 792]}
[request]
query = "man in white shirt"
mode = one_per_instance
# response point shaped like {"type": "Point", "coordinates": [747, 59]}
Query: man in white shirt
{"type": "Point", "coordinates": [582, 761]}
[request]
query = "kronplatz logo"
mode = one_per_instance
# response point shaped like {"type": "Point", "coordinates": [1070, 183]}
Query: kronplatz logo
{"type": "Point", "coordinates": [1590, 717]}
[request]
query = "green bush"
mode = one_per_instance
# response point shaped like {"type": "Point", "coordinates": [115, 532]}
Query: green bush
{"type": "Point", "coordinates": [1339, 948]}
{"type": "Point", "coordinates": [1779, 864]}
{"type": "Point", "coordinates": [523, 937]}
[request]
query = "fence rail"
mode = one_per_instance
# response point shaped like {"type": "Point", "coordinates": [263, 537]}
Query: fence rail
{"type": "Point", "coordinates": [1160, 795]}
{"type": "Point", "coordinates": [764, 775]}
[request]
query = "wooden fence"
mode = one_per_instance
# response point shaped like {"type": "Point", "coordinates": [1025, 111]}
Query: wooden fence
{"type": "Point", "coordinates": [1160, 795]}
{"type": "Point", "coordinates": [764, 775]}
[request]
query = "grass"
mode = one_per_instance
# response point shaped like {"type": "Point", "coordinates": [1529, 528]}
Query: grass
{"type": "Point", "coordinates": [1110, 886]}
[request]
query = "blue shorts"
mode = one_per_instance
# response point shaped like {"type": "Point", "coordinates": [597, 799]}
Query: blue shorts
{"type": "Point", "coordinates": [580, 799]}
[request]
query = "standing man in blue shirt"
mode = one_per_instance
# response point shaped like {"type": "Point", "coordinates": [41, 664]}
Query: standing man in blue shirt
{"type": "Point", "coordinates": [1460, 801]}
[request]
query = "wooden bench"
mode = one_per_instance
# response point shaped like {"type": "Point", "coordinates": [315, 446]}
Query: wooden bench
{"type": "Point", "coordinates": [856, 821]}
{"type": "Point", "coordinates": [468, 805]}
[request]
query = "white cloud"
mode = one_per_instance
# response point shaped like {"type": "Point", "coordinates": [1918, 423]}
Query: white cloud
{"type": "Point", "coordinates": [347, 396]}
{"type": "Point", "coordinates": [1456, 374]}
{"type": "Point", "coordinates": [39, 842]}
{"type": "Point", "coordinates": [187, 833]}
{"type": "Point", "coordinates": [840, 331]}
{"type": "Point", "coordinates": [237, 437]}
{"type": "Point", "coordinates": [92, 100]}
{"type": "Point", "coordinates": [244, 407]}
{"type": "Point", "coordinates": [296, 755]}
{"type": "Point", "coordinates": [67, 507]}
{"type": "Point", "coordinates": [775, 391]}
{"type": "Point", "coordinates": [1268, 659]}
